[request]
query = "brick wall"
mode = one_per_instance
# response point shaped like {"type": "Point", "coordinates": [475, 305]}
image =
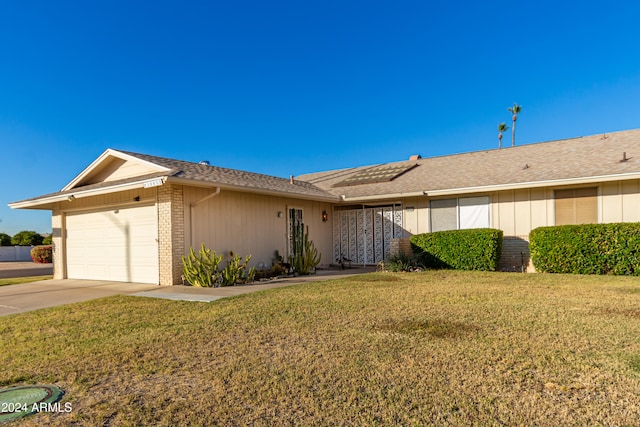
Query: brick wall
{"type": "Point", "coordinates": [515, 254]}
{"type": "Point", "coordinates": [400, 246]}
{"type": "Point", "coordinates": [170, 234]}
{"type": "Point", "coordinates": [57, 242]}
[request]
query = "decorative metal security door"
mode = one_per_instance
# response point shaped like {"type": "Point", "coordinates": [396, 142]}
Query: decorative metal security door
{"type": "Point", "coordinates": [296, 232]}
{"type": "Point", "coordinates": [364, 235]}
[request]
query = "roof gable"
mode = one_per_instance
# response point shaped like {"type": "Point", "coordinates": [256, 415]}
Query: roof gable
{"type": "Point", "coordinates": [113, 166]}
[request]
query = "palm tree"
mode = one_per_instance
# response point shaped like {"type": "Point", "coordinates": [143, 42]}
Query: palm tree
{"type": "Point", "coordinates": [502, 127]}
{"type": "Point", "coordinates": [515, 110]}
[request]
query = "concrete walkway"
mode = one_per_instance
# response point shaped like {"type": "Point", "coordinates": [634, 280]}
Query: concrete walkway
{"type": "Point", "coordinates": [192, 293]}
{"type": "Point", "coordinates": [49, 293]}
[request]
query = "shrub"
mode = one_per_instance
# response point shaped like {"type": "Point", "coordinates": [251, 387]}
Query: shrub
{"type": "Point", "coordinates": [402, 263]}
{"type": "Point", "coordinates": [587, 249]}
{"type": "Point", "coordinates": [27, 238]}
{"type": "Point", "coordinates": [473, 249]}
{"type": "Point", "coordinates": [275, 271]}
{"type": "Point", "coordinates": [42, 254]}
{"type": "Point", "coordinates": [5, 239]}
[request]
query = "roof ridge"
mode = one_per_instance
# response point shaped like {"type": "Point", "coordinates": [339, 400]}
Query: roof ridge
{"type": "Point", "coordinates": [191, 163]}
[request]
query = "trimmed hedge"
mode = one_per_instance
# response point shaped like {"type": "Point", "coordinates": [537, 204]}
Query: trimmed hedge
{"type": "Point", "coordinates": [587, 249]}
{"type": "Point", "coordinates": [473, 249]}
{"type": "Point", "coordinates": [42, 254]}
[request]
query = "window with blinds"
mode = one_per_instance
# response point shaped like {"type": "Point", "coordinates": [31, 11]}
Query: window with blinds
{"type": "Point", "coordinates": [576, 206]}
{"type": "Point", "coordinates": [457, 214]}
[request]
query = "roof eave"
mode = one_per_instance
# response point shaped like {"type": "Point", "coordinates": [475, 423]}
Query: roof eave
{"type": "Point", "coordinates": [45, 203]}
{"type": "Point", "coordinates": [349, 199]}
{"type": "Point", "coordinates": [245, 189]}
{"type": "Point", "coordinates": [497, 187]}
{"type": "Point", "coordinates": [535, 184]}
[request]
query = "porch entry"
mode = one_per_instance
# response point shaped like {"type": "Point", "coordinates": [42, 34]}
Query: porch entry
{"type": "Point", "coordinates": [363, 235]}
{"type": "Point", "coordinates": [296, 232]}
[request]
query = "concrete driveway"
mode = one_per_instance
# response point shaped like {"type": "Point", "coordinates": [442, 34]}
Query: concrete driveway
{"type": "Point", "coordinates": [50, 293]}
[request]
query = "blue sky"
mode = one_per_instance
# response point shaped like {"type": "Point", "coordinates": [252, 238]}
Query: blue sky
{"type": "Point", "coordinates": [289, 87]}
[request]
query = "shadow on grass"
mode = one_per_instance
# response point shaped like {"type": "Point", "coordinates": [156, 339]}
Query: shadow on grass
{"type": "Point", "coordinates": [435, 328]}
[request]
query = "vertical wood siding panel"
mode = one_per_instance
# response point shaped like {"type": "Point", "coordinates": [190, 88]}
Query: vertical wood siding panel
{"type": "Point", "coordinates": [631, 201]}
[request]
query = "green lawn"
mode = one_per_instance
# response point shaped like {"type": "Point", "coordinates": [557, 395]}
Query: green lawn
{"type": "Point", "coordinates": [18, 280]}
{"type": "Point", "coordinates": [433, 348]}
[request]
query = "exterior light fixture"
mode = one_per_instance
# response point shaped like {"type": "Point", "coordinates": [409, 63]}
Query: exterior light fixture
{"type": "Point", "coordinates": [71, 198]}
{"type": "Point", "coordinates": [325, 216]}
{"type": "Point", "coordinates": [279, 214]}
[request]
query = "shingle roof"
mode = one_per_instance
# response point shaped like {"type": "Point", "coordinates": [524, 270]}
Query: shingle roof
{"type": "Point", "coordinates": [591, 159]}
{"type": "Point", "coordinates": [590, 156]}
{"type": "Point", "coordinates": [233, 178]}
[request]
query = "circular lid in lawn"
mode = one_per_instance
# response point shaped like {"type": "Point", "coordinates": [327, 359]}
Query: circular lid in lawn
{"type": "Point", "coordinates": [18, 402]}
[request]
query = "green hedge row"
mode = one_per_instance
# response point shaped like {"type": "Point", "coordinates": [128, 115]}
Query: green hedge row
{"type": "Point", "coordinates": [473, 249]}
{"type": "Point", "coordinates": [587, 249]}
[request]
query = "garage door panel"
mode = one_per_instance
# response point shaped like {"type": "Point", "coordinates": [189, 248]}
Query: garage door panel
{"type": "Point", "coordinates": [118, 245]}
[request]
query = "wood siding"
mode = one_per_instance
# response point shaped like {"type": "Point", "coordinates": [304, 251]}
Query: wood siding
{"type": "Point", "coordinates": [116, 169]}
{"type": "Point", "coordinates": [247, 223]}
{"type": "Point", "coordinates": [517, 212]}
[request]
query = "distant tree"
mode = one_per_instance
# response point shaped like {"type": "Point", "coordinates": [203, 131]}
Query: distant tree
{"type": "Point", "coordinates": [5, 239]}
{"type": "Point", "coordinates": [27, 238]}
{"type": "Point", "coordinates": [515, 110]}
{"type": "Point", "coordinates": [48, 239]}
{"type": "Point", "coordinates": [502, 127]}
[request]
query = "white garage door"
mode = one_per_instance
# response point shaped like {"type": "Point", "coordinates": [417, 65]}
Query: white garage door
{"type": "Point", "coordinates": [119, 245]}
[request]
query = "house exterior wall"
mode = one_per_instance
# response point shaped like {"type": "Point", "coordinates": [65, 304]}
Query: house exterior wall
{"type": "Point", "coordinates": [171, 230]}
{"type": "Point", "coordinates": [118, 169]}
{"type": "Point", "coordinates": [620, 202]}
{"type": "Point", "coordinates": [517, 212]}
{"type": "Point", "coordinates": [248, 223]}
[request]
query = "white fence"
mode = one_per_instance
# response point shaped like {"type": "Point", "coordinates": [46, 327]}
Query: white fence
{"type": "Point", "coordinates": [15, 253]}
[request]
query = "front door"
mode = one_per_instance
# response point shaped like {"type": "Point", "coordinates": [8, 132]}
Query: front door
{"type": "Point", "coordinates": [296, 232]}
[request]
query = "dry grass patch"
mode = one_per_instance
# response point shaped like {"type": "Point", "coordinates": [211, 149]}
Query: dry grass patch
{"type": "Point", "coordinates": [18, 280]}
{"type": "Point", "coordinates": [435, 348]}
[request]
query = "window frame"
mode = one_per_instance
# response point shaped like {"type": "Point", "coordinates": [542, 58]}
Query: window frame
{"type": "Point", "coordinates": [457, 205]}
{"type": "Point", "coordinates": [574, 200]}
